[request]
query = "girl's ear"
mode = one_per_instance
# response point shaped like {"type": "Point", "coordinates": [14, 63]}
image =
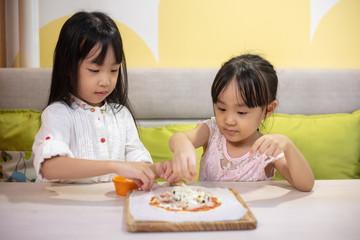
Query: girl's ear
{"type": "Point", "coordinates": [271, 108]}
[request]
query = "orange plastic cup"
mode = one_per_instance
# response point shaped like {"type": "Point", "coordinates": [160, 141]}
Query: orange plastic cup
{"type": "Point", "coordinates": [123, 185]}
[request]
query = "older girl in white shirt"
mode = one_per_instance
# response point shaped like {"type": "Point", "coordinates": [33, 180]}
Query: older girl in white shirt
{"type": "Point", "coordinates": [88, 133]}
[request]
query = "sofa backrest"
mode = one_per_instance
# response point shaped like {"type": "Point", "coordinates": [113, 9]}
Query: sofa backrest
{"type": "Point", "coordinates": [164, 95]}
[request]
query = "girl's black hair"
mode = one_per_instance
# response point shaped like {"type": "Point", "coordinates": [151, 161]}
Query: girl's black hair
{"type": "Point", "coordinates": [256, 79]}
{"type": "Point", "coordinates": [77, 38]}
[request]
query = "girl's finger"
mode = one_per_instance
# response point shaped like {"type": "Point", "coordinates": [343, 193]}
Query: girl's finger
{"type": "Point", "coordinates": [167, 171]}
{"type": "Point", "coordinates": [256, 145]}
{"type": "Point", "coordinates": [177, 166]}
{"type": "Point", "coordinates": [147, 178]}
{"type": "Point", "coordinates": [276, 152]}
{"type": "Point", "coordinates": [171, 178]}
{"type": "Point", "coordinates": [270, 151]}
{"type": "Point", "coordinates": [192, 169]}
{"type": "Point", "coordinates": [138, 182]}
{"type": "Point", "coordinates": [263, 147]}
{"type": "Point", "coordinates": [183, 169]}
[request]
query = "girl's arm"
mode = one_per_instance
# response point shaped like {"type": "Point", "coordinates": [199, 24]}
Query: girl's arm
{"type": "Point", "coordinates": [75, 168]}
{"type": "Point", "coordinates": [135, 150]}
{"type": "Point", "coordinates": [183, 145]}
{"type": "Point", "coordinates": [293, 167]}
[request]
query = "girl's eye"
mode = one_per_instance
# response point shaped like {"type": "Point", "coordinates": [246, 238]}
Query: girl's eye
{"type": "Point", "coordinates": [241, 113]}
{"type": "Point", "coordinates": [221, 109]}
{"type": "Point", "coordinates": [114, 70]}
{"type": "Point", "coordinates": [93, 70]}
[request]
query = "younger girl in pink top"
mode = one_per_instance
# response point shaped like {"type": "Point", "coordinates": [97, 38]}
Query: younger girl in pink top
{"type": "Point", "coordinates": [243, 94]}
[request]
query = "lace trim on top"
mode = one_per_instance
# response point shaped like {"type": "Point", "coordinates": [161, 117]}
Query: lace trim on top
{"type": "Point", "coordinates": [217, 165]}
{"type": "Point", "coordinates": [229, 163]}
{"type": "Point", "coordinates": [79, 103]}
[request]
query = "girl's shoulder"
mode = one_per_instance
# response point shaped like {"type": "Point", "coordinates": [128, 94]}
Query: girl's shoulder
{"type": "Point", "coordinates": [211, 123]}
{"type": "Point", "coordinates": [118, 109]}
{"type": "Point", "coordinates": [213, 128]}
{"type": "Point", "coordinates": [57, 108]}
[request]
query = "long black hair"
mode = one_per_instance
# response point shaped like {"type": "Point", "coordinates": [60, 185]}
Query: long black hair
{"type": "Point", "coordinates": [78, 36]}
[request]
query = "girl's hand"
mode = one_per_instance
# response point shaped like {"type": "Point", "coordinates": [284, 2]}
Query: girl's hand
{"type": "Point", "coordinates": [168, 172]}
{"type": "Point", "coordinates": [183, 165]}
{"type": "Point", "coordinates": [272, 145]}
{"type": "Point", "coordinates": [184, 157]}
{"type": "Point", "coordinates": [159, 168]}
{"type": "Point", "coordinates": [140, 173]}
{"type": "Point", "coordinates": [164, 170]}
{"type": "Point", "coordinates": [183, 145]}
{"type": "Point", "coordinates": [293, 167]}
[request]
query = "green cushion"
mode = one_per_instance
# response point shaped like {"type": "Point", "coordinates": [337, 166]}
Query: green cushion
{"type": "Point", "coordinates": [18, 129]}
{"type": "Point", "coordinates": [330, 143]}
{"type": "Point", "coordinates": [156, 140]}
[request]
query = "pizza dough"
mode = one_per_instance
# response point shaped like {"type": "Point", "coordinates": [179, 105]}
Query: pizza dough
{"type": "Point", "coordinates": [229, 209]}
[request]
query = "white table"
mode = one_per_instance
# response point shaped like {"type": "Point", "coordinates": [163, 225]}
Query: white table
{"type": "Point", "coordinates": [57, 211]}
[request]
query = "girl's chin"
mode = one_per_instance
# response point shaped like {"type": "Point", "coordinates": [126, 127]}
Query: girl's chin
{"type": "Point", "coordinates": [96, 103]}
{"type": "Point", "coordinates": [231, 137]}
{"type": "Point", "coordinates": [101, 94]}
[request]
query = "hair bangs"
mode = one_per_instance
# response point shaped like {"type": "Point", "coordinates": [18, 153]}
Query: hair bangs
{"type": "Point", "coordinates": [222, 79]}
{"type": "Point", "coordinates": [101, 34]}
{"type": "Point", "coordinates": [109, 39]}
{"type": "Point", "coordinates": [252, 88]}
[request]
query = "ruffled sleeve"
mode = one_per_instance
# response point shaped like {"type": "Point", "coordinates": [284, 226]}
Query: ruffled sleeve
{"type": "Point", "coordinates": [53, 137]}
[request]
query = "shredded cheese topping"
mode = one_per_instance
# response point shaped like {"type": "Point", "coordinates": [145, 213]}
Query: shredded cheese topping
{"type": "Point", "coordinates": [185, 199]}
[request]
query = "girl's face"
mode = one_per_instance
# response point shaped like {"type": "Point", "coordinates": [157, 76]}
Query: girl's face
{"type": "Point", "coordinates": [96, 82]}
{"type": "Point", "coordinates": [235, 120]}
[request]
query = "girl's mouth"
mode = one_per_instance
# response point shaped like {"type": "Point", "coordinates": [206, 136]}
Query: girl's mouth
{"type": "Point", "coordinates": [100, 94]}
{"type": "Point", "coordinates": [230, 132]}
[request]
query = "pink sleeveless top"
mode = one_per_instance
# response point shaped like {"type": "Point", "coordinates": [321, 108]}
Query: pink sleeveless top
{"type": "Point", "coordinates": [217, 165]}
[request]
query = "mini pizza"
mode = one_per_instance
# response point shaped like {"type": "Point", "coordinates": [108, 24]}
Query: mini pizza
{"type": "Point", "coordinates": [185, 199]}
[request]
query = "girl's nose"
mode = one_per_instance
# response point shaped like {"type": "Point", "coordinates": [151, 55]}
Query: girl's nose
{"type": "Point", "coordinates": [105, 80]}
{"type": "Point", "coordinates": [230, 119]}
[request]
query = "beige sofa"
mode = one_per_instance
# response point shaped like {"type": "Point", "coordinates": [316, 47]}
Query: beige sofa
{"type": "Point", "coordinates": [172, 95]}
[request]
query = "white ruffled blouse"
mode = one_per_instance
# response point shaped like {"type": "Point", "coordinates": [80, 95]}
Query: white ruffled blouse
{"type": "Point", "coordinates": [87, 132]}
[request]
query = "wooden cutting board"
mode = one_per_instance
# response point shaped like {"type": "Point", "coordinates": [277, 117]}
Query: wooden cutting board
{"type": "Point", "coordinates": [248, 221]}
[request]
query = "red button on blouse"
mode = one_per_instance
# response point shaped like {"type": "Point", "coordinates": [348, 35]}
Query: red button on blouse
{"type": "Point", "coordinates": [102, 140]}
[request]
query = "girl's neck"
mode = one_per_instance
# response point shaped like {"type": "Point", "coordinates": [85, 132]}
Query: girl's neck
{"type": "Point", "coordinates": [238, 149]}
{"type": "Point", "coordinates": [90, 104]}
